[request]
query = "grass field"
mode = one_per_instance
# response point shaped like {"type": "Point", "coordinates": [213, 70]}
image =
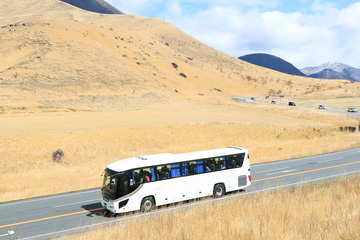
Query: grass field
{"type": "Point", "coordinates": [322, 211]}
{"type": "Point", "coordinates": [91, 141]}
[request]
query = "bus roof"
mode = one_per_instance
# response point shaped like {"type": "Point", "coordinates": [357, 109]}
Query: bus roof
{"type": "Point", "coordinates": [168, 158]}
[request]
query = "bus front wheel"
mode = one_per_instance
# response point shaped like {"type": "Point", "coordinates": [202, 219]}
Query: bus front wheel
{"type": "Point", "coordinates": [147, 204]}
{"type": "Point", "coordinates": [219, 190]}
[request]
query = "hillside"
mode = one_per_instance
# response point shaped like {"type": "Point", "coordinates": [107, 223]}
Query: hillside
{"type": "Point", "coordinates": [272, 62]}
{"type": "Point", "coordinates": [57, 57]}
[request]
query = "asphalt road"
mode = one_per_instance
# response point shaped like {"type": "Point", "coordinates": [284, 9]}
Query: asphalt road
{"type": "Point", "coordinates": [63, 214]}
{"type": "Point", "coordinates": [286, 100]}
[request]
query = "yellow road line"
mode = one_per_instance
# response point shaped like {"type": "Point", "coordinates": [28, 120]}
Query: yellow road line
{"type": "Point", "coordinates": [48, 218]}
{"type": "Point", "coordinates": [97, 209]}
{"type": "Point", "coordinates": [314, 170]}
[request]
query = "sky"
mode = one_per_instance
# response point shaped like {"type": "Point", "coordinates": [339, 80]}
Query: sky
{"type": "Point", "coordinates": [302, 32]}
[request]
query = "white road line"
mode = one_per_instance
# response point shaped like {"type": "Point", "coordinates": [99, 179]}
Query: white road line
{"type": "Point", "coordinates": [67, 204]}
{"type": "Point", "coordinates": [191, 204]}
{"type": "Point", "coordinates": [4, 235]}
{"type": "Point", "coordinates": [24, 201]}
{"type": "Point", "coordinates": [348, 151]}
{"type": "Point", "coordinates": [271, 170]}
{"type": "Point", "coordinates": [286, 171]}
{"type": "Point", "coordinates": [330, 160]}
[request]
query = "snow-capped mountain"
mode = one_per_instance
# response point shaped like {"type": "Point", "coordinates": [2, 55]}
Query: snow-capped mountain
{"type": "Point", "coordinates": [333, 71]}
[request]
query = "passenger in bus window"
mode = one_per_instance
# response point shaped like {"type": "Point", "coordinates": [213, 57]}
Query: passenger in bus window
{"type": "Point", "coordinates": [218, 164]}
{"type": "Point", "coordinates": [146, 177]}
{"type": "Point", "coordinates": [233, 163]}
{"type": "Point", "coordinates": [222, 166]}
{"type": "Point", "coordinates": [185, 171]}
{"type": "Point", "coordinates": [136, 177]}
{"type": "Point", "coordinates": [141, 176]}
{"type": "Point", "coordinates": [164, 173]}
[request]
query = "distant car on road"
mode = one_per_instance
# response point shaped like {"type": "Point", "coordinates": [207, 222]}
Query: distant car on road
{"type": "Point", "coordinates": [292, 104]}
{"type": "Point", "coordinates": [274, 102]}
{"type": "Point", "coordinates": [352, 109]}
{"type": "Point", "coordinates": [323, 107]}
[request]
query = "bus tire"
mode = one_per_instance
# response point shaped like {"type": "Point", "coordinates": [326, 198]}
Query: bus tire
{"type": "Point", "coordinates": [147, 204]}
{"type": "Point", "coordinates": [219, 190]}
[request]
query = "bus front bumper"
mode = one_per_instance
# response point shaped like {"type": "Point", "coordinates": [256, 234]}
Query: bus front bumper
{"type": "Point", "coordinates": [115, 207]}
{"type": "Point", "coordinates": [108, 206]}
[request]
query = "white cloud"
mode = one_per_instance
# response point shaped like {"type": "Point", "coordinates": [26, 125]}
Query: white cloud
{"type": "Point", "coordinates": [174, 8]}
{"type": "Point", "coordinates": [239, 27]}
{"type": "Point", "coordinates": [304, 39]}
{"type": "Point", "coordinates": [320, 6]}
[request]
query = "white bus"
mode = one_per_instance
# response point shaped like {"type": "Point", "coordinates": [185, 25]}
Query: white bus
{"type": "Point", "coordinates": [141, 183]}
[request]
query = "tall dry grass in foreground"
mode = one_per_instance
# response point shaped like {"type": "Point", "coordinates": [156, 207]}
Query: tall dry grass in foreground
{"type": "Point", "coordinates": [87, 153]}
{"type": "Point", "coordinates": [327, 211]}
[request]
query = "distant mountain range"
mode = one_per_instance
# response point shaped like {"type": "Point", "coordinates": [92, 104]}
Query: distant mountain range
{"type": "Point", "coordinates": [98, 6]}
{"type": "Point", "coordinates": [333, 71]}
{"type": "Point", "coordinates": [272, 62]}
{"type": "Point", "coordinates": [325, 71]}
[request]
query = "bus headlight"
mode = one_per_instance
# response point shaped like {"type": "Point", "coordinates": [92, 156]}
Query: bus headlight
{"type": "Point", "coordinates": [110, 205]}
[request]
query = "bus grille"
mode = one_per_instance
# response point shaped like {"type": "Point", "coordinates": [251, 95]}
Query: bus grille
{"type": "Point", "coordinates": [242, 181]}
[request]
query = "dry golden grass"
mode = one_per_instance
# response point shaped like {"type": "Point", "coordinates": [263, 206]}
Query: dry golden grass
{"type": "Point", "coordinates": [324, 211]}
{"type": "Point", "coordinates": [102, 88]}
{"type": "Point", "coordinates": [90, 144]}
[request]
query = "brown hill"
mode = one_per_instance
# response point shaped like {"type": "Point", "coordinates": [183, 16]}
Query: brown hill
{"type": "Point", "coordinates": [54, 54]}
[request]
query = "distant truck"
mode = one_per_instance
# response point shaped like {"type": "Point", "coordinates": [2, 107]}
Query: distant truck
{"type": "Point", "coordinates": [292, 104]}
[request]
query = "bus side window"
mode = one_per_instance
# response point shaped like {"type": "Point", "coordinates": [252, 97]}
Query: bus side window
{"type": "Point", "coordinates": [164, 172]}
{"type": "Point", "coordinates": [175, 170]}
{"type": "Point", "coordinates": [153, 174]}
{"type": "Point", "coordinates": [231, 162]}
{"type": "Point", "coordinates": [223, 163]}
{"type": "Point", "coordinates": [240, 160]}
{"type": "Point", "coordinates": [217, 164]}
{"type": "Point", "coordinates": [210, 165]}
{"type": "Point", "coordinates": [192, 168]}
{"type": "Point", "coordinates": [207, 168]}
{"type": "Point", "coordinates": [184, 169]}
{"type": "Point", "coordinates": [137, 179]}
{"type": "Point", "coordinates": [200, 166]}
{"type": "Point", "coordinates": [158, 172]}
{"type": "Point", "coordinates": [146, 175]}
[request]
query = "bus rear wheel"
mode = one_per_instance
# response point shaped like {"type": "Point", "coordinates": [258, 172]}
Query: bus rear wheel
{"type": "Point", "coordinates": [147, 204]}
{"type": "Point", "coordinates": [219, 190]}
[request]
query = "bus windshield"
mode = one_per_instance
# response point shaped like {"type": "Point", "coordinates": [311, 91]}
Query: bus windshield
{"type": "Point", "coordinates": [116, 184]}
